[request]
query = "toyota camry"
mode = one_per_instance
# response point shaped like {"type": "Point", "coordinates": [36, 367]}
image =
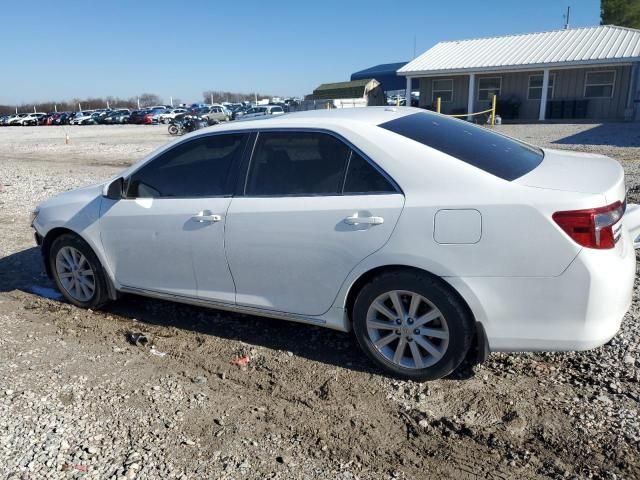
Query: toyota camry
{"type": "Point", "coordinates": [431, 238]}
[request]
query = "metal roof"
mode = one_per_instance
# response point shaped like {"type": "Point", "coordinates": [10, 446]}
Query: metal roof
{"type": "Point", "coordinates": [576, 46]}
{"type": "Point", "coordinates": [386, 75]}
{"type": "Point", "coordinates": [383, 69]}
{"type": "Point", "coordinates": [352, 89]}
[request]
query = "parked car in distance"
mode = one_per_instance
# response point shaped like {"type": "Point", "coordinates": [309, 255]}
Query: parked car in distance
{"type": "Point", "coordinates": [170, 114]}
{"type": "Point", "coordinates": [17, 119]}
{"type": "Point", "coordinates": [261, 111]}
{"type": "Point", "coordinates": [216, 114]}
{"type": "Point", "coordinates": [63, 118]}
{"type": "Point", "coordinates": [31, 119]}
{"type": "Point", "coordinates": [42, 120]}
{"type": "Point", "coordinates": [433, 239]}
{"type": "Point", "coordinates": [77, 115]}
{"type": "Point", "coordinates": [156, 113]}
{"type": "Point", "coordinates": [120, 115]}
{"type": "Point", "coordinates": [138, 117]}
{"type": "Point", "coordinates": [86, 118]}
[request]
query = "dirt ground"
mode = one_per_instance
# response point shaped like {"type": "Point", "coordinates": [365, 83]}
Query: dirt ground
{"type": "Point", "coordinates": [78, 401]}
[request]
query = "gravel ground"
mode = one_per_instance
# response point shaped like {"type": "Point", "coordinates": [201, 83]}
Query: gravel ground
{"type": "Point", "coordinates": [78, 401]}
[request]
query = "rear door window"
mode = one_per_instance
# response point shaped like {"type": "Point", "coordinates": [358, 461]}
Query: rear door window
{"type": "Point", "coordinates": [364, 178]}
{"type": "Point", "coordinates": [297, 163]}
{"type": "Point", "coordinates": [496, 154]}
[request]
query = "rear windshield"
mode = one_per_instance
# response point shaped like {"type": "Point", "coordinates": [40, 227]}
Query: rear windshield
{"type": "Point", "coordinates": [501, 156]}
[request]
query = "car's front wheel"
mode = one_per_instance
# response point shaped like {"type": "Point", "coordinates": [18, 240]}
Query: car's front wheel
{"type": "Point", "coordinates": [77, 272]}
{"type": "Point", "coordinates": [412, 325]}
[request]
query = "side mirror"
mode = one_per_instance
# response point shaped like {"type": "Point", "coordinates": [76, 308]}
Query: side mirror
{"type": "Point", "coordinates": [115, 190]}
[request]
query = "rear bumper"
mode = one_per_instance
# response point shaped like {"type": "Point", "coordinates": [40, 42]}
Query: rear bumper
{"type": "Point", "coordinates": [578, 310]}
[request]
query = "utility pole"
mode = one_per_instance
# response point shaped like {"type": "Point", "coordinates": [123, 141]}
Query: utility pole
{"type": "Point", "coordinates": [138, 103]}
{"type": "Point", "coordinates": [171, 101]}
{"type": "Point", "coordinates": [566, 18]}
{"type": "Point", "coordinates": [211, 98]}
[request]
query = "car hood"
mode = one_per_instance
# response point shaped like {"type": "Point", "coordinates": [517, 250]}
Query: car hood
{"type": "Point", "coordinates": [576, 172]}
{"type": "Point", "coordinates": [79, 195]}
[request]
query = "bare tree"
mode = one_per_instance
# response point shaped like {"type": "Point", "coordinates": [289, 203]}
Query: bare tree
{"type": "Point", "coordinates": [149, 99]}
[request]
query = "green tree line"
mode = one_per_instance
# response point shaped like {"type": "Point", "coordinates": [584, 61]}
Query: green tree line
{"type": "Point", "coordinates": [624, 13]}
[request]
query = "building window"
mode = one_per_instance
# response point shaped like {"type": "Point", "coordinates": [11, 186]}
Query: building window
{"type": "Point", "coordinates": [599, 84]}
{"type": "Point", "coordinates": [488, 87]}
{"type": "Point", "coordinates": [442, 88]}
{"type": "Point", "coordinates": [535, 86]}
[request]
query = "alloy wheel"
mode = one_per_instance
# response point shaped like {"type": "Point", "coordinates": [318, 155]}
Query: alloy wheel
{"type": "Point", "coordinates": [75, 274]}
{"type": "Point", "coordinates": [407, 329]}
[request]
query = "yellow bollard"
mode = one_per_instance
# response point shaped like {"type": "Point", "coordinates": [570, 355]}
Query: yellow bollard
{"type": "Point", "coordinates": [493, 111]}
{"type": "Point", "coordinates": [438, 102]}
{"type": "Point", "coordinates": [397, 101]}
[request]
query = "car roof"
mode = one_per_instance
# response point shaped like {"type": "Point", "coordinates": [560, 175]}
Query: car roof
{"type": "Point", "coordinates": [323, 118]}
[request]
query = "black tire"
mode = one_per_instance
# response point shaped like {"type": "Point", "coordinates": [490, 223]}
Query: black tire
{"type": "Point", "coordinates": [457, 317]}
{"type": "Point", "coordinates": [100, 295]}
{"type": "Point", "coordinates": [173, 130]}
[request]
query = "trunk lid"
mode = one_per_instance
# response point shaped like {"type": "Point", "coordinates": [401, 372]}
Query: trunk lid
{"type": "Point", "coordinates": [578, 172]}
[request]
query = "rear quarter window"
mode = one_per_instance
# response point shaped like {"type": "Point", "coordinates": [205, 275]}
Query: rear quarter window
{"type": "Point", "coordinates": [496, 154]}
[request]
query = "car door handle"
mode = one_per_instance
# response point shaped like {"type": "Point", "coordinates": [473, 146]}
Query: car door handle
{"type": "Point", "coordinates": [355, 220]}
{"type": "Point", "coordinates": [202, 218]}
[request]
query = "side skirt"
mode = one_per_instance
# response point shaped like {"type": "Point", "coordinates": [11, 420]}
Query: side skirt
{"type": "Point", "coordinates": [223, 306]}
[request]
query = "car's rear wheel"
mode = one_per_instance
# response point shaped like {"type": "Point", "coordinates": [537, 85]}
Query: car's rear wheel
{"type": "Point", "coordinates": [412, 325]}
{"type": "Point", "coordinates": [77, 272]}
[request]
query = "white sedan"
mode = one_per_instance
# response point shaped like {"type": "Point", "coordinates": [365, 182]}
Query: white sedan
{"type": "Point", "coordinates": [84, 118]}
{"type": "Point", "coordinates": [170, 114]}
{"type": "Point", "coordinates": [433, 239]}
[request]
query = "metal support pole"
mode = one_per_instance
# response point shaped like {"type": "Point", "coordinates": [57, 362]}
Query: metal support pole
{"type": "Point", "coordinates": [408, 92]}
{"type": "Point", "coordinates": [543, 97]}
{"type": "Point", "coordinates": [438, 104]}
{"type": "Point", "coordinates": [493, 110]}
{"type": "Point", "coordinates": [472, 92]}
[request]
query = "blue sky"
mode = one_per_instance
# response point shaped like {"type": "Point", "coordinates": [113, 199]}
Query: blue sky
{"type": "Point", "coordinates": [79, 48]}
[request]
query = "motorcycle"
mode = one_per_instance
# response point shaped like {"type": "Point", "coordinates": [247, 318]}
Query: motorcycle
{"type": "Point", "coordinates": [182, 124]}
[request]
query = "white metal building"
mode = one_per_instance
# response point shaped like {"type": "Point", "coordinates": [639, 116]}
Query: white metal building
{"type": "Point", "coordinates": [579, 73]}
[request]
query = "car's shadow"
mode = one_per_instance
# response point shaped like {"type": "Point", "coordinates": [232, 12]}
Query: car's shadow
{"type": "Point", "coordinates": [24, 271]}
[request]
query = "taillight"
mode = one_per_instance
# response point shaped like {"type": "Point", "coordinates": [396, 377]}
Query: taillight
{"type": "Point", "coordinates": [593, 227]}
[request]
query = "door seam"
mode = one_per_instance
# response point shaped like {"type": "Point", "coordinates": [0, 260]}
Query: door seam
{"type": "Point", "coordinates": [226, 256]}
